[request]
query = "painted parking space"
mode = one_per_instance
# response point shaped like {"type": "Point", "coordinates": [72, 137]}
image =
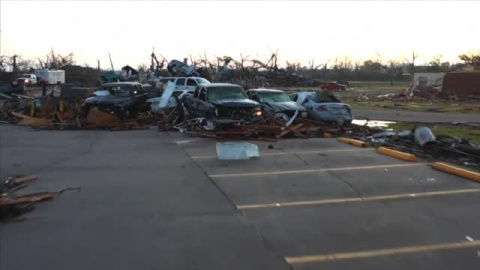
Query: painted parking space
{"type": "Point", "coordinates": [350, 204]}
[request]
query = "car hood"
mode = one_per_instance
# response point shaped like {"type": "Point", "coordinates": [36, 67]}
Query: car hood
{"type": "Point", "coordinates": [285, 106]}
{"type": "Point", "coordinates": [236, 103]}
{"type": "Point", "coordinates": [106, 100]}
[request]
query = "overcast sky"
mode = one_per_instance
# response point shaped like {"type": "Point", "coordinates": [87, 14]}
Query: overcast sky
{"type": "Point", "coordinates": [299, 30]}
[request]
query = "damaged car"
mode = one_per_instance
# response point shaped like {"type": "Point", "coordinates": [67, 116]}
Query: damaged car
{"type": "Point", "coordinates": [324, 106]}
{"type": "Point", "coordinates": [277, 104]}
{"type": "Point", "coordinates": [222, 103]}
{"type": "Point", "coordinates": [122, 99]}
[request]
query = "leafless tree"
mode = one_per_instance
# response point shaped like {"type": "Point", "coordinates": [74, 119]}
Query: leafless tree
{"type": "Point", "coordinates": [391, 69]}
{"type": "Point", "coordinates": [55, 60]}
{"type": "Point", "coordinates": [14, 63]}
{"type": "Point", "coordinates": [411, 62]}
{"type": "Point", "coordinates": [471, 58]}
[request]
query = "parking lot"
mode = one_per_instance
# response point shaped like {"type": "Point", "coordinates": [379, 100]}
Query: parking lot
{"type": "Point", "coordinates": [157, 200]}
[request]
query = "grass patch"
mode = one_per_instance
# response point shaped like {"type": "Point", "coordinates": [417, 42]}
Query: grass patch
{"type": "Point", "coordinates": [465, 132]}
{"type": "Point", "coordinates": [435, 106]}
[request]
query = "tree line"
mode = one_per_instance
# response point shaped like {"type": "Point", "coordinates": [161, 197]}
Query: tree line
{"type": "Point", "coordinates": [342, 68]}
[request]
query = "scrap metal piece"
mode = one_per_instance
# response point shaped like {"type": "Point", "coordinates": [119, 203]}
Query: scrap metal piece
{"type": "Point", "coordinates": [237, 151]}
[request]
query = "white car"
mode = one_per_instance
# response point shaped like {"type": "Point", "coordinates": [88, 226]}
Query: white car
{"type": "Point", "coordinates": [183, 85]}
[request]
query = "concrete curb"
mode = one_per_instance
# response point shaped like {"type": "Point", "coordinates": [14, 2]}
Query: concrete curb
{"type": "Point", "coordinates": [397, 154]}
{"type": "Point", "coordinates": [352, 142]}
{"type": "Point", "coordinates": [475, 176]}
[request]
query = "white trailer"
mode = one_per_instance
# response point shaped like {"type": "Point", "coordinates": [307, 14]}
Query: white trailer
{"type": "Point", "coordinates": [51, 76]}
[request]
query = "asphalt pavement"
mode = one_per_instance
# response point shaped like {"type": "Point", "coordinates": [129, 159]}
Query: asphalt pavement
{"type": "Point", "coordinates": [419, 117]}
{"type": "Point", "coordinates": [158, 200]}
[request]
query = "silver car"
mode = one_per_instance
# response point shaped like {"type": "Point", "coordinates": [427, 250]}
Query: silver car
{"type": "Point", "coordinates": [324, 106]}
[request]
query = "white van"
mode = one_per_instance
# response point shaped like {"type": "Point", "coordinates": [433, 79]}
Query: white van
{"type": "Point", "coordinates": [183, 85]}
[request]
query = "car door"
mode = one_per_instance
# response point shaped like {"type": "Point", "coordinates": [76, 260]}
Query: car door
{"type": "Point", "coordinates": [191, 85]}
{"type": "Point", "coordinates": [180, 84]}
{"type": "Point", "coordinates": [192, 103]}
{"type": "Point", "coordinates": [204, 108]}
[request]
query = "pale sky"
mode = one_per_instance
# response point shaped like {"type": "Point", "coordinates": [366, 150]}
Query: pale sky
{"type": "Point", "coordinates": [299, 30]}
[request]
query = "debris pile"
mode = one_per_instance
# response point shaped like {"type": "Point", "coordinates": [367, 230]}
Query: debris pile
{"type": "Point", "coordinates": [423, 143]}
{"type": "Point", "coordinates": [12, 205]}
{"type": "Point", "coordinates": [80, 108]}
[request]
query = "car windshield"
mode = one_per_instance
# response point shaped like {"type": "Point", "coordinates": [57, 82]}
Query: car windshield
{"type": "Point", "coordinates": [226, 92]}
{"type": "Point", "coordinates": [26, 76]}
{"type": "Point", "coordinates": [274, 97]}
{"type": "Point", "coordinates": [202, 81]}
{"type": "Point", "coordinates": [118, 90]}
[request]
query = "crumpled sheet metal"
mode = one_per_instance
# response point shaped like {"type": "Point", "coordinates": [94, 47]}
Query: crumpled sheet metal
{"type": "Point", "coordinates": [166, 101]}
{"type": "Point", "coordinates": [237, 151]}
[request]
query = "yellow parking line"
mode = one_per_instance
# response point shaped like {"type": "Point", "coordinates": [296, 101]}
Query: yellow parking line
{"type": "Point", "coordinates": [358, 199]}
{"type": "Point", "coordinates": [295, 152]}
{"type": "Point", "coordinates": [231, 175]}
{"type": "Point", "coordinates": [380, 252]}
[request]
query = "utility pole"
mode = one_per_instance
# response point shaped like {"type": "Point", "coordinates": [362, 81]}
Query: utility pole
{"type": "Point", "coordinates": [14, 63]}
{"type": "Point", "coordinates": [111, 63]}
{"type": "Point", "coordinates": [98, 64]}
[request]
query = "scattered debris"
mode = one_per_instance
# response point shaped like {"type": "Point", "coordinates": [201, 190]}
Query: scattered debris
{"type": "Point", "coordinates": [423, 136]}
{"type": "Point", "coordinates": [11, 205]}
{"type": "Point", "coordinates": [101, 119]}
{"type": "Point", "coordinates": [423, 143]}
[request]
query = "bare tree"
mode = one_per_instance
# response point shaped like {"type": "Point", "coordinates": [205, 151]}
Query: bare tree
{"type": "Point", "coordinates": [15, 63]}
{"type": "Point", "coordinates": [391, 69]}
{"type": "Point", "coordinates": [411, 62]}
{"type": "Point", "coordinates": [56, 60]}
{"type": "Point", "coordinates": [471, 58]}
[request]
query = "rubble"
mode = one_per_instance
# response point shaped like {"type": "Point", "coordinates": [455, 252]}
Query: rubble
{"type": "Point", "coordinates": [423, 143]}
{"type": "Point", "coordinates": [12, 205]}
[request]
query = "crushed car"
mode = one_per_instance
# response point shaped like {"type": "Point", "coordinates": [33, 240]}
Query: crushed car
{"type": "Point", "coordinates": [277, 104]}
{"type": "Point", "coordinates": [324, 106]}
{"type": "Point", "coordinates": [222, 103]}
{"type": "Point", "coordinates": [122, 99]}
{"type": "Point", "coordinates": [183, 85]}
{"type": "Point", "coordinates": [333, 86]}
